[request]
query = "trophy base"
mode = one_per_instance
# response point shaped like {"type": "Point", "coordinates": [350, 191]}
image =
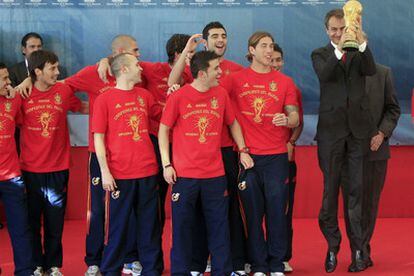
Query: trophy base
{"type": "Point", "coordinates": [350, 46]}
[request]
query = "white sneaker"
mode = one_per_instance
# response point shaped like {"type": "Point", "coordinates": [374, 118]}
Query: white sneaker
{"type": "Point", "coordinates": [277, 274]}
{"type": "Point", "coordinates": [247, 268]}
{"type": "Point", "coordinates": [38, 271]}
{"type": "Point", "coordinates": [136, 268]}
{"type": "Point", "coordinates": [54, 271]}
{"type": "Point", "coordinates": [288, 268]}
{"type": "Point", "coordinates": [239, 273]}
{"type": "Point", "coordinates": [208, 267]}
{"type": "Point", "coordinates": [93, 270]}
{"type": "Point", "coordinates": [259, 274]}
{"type": "Point", "coordinates": [196, 273]}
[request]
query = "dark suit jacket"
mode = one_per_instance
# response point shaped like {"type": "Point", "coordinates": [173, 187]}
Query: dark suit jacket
{"type": "Point", "coordinates": [384, 107]}
{"type": "Point", "coordinates": [18, 73]}
{"type": "Point", "coordinates": [344, 105]}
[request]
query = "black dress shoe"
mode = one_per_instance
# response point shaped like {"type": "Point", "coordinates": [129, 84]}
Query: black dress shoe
{"type": "Point", "coordinates": [330, 262]}
{"type": "Point", "coordinates": [358, 264]}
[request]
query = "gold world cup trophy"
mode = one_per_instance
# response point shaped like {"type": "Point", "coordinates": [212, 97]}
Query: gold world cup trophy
{"type": "Point", "coordinates": [353, 12]}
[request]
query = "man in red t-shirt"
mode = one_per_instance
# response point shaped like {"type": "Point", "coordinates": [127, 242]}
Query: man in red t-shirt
{"type": "Point", "coordinates": [277, 64]}
{"type": "Point", "coordinates": [12, 189]}
{"type": "Point", "coordinates": [266, 107]}
{"type": "Point", "coordinates": [44, 158]}
{"type": "Point", "coordinates": [128, 167]}
{"type": "Point", "coordinates": [215, 38]}
{"type": "Point", "coordinates": [196, 114]}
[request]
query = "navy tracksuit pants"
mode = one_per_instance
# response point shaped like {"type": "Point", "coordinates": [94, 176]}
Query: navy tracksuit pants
{"type": "Point", "coordinates": [13, 195]}
{"type": "Point", "coordinates": [96, 219]}
{"type": "Point", "coordinates": [237, 237]}
{"type": "Point", "coordinates": [141, 197]}
{"type": "Point", "coordinates": [289, 213]}
{"type": "Point", "coordinates": [213, 196]}
{"type": "Point", "coordinates": [263, 193]}
{"type": "Point", "coordinates": [47, 195]}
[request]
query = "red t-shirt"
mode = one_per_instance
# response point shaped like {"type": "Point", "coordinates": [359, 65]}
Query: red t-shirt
{"type": "Point", "coordinates": [197, 120]}
{"type": "Point", "coordinates": [123, 116]}
{"type": "Point", "coordinates": [44, 135]}
{"type": "Point", "coordinates": [155, 78]}
{"type": "Point", "coordinates": [10, 116]}
{"type": "Point", "coordinates": [257, 97]}
{"type": "Point", "coordinates": [88, 80]}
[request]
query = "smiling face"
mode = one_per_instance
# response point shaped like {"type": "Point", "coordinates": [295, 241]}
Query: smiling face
{"type": "Point", "coordinates": [217, 41]}
{"type": "Point", "coordinates": [4, 81]}
{"type": "Point", "coordinates": [33, 44]}
{"type": "Point", "coordinates": [335, 29]}
{"type": "Point", "coordinates": [48, 75]}
{"type": "Point", "coordinates": [262, 53]}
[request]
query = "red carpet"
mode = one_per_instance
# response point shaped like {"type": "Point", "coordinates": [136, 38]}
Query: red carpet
{"type": "Point", "coordinates": [392, 247]}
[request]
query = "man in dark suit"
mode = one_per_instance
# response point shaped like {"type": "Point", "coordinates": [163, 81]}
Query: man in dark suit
{"type": "Point", "coordinates": [31, 42]}
{"type": "Point", "coordinates": [343, 132]}
{"type": "Point", "coordinates": [385, 112]}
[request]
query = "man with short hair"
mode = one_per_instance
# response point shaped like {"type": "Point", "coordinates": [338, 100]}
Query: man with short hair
{"type": "Point", "coordinates": [45, 154]}
{"type": "Point", "coordinates": [344, 128]}
{"type": "Point", "coordinates": [215, 38]}
{"type": "Point", "coordinates": [88, 80]}
{"type": "Point", "coordinates": [277, 64]}
{"type": "Point", "coordinates": [196, 114]}
{"type": "Point", "coordinates": [30, 43]}
{"type": "Point", "coordinates": [266, 105]}
{"type": "Point", "coordinates": [128, 167]}
{"type": "Point", "coordinates": [12, 188]}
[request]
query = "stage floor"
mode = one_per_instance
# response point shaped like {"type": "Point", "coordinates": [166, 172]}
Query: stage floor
{"type": "Point", "coordinates": [392, 247]}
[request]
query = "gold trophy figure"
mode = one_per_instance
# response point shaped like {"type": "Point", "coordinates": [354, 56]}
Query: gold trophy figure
{"type": "Point", "coordinates": [134, 122]}
{"type": "Point", "coordinates": [45, 119]}
{"type": "Point", "coordinates": [258, 105]}
{"type": "Point", "coordinates": [202, 127]}
{"type": "Point", "coordinates": [353, 12]}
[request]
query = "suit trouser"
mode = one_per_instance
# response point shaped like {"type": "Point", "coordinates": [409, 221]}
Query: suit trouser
{"type": "Point", "coordinates": [141, 197]}
{"type": "Point", "coordinates": [96, 219]}
{"type": "Point", "coordinates": [333, 155]}
{"type": "Point", "coordinates": [289, 213]}
{"type": "Point", "coordinates": [263, 194]}
{"type": "Point", "coordinates": [237, 237]}
{"type": "Point", "coordinates": [13, 195]}
{"type": "Point", "coordinates": [212, 193]}
{"type": "Point", "coordinates": [374, 178]}
{"type": "Point", "coordinates": [47, 196]}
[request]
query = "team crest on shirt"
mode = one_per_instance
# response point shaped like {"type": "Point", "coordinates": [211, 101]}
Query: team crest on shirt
{"type": "Point", "coordinates": [214, 103]}
{"type": "Point", "coordinates": [141, 101]}
{"type": "Point", "coordinates": [58, 99]}
{"type": "Point", "coordinates": [7, 106]}
{"type": "Point", "coordinates": [242, 186]}
{"type": "Point", "coordinates": [115, 194]}
{"type": "Point", "coordinates": [175, 197]}
{"type": "Point", "coordinates": [95, 180]}
{"type": "Point", "coordinates": [273, 86]}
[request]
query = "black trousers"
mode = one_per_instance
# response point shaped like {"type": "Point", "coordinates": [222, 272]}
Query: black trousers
{"type": "Point", "coordinates": [374, 179]}
{"type": "Point", "coordinates": [289, 213]}
{"type": "Point", "coordinates": [333, 155]}
{"type": "Point", "coordinates": [46, 196]}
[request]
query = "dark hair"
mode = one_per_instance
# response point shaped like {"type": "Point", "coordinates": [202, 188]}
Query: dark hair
{"type": "Point", "coordinates": [212, 25]}
{"type": "Point", "coordinates": [200, 61]}
{"type": "Point", "coordinates": [176, 44]}
{"type": "Point", "coordinates": [38, 60]}
{"type": "Point", "coordinates": [28, 36]}
{"type": "Point", "coordinates": [338, 13]}
{"type": "Point", "coordinates": [2, 65]}
{"type": "Point", "coordinates": [278, 49]}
